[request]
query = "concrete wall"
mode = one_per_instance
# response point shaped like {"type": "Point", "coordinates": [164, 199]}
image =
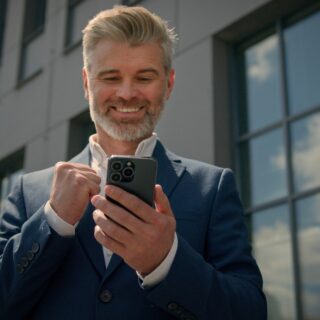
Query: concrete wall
{"type": "Point", "coordinates": [36, 115]}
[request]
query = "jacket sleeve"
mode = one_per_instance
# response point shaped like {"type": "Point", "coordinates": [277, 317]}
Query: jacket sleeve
{"type": "Point", "coordinates": [30, 253]}
{"type": "Point", "coordinates": [224, 283]}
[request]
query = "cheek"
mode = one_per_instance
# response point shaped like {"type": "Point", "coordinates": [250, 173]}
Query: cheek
{"type": "Point", "coordinates": [156, 95]}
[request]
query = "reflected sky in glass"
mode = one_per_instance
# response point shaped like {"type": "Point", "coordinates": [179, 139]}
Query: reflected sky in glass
{"type": "Point", "coordinates": [271, 247]}
{"type": "Point", "coordinates": [263, 84]}
{"type": "Point", "coordinates": [308, 220]}
{"type": "Point", "coordinates": [302, 50]}
{"type": "Point", "coordinates": [305, 136]}
{"type": "Point", "coordinates": [264, 161]}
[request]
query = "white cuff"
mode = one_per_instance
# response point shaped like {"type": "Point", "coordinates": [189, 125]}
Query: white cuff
{"type": "Point", "coordinates": [158, 274]}
{"type": "Point", "coordinates": [60, 226]}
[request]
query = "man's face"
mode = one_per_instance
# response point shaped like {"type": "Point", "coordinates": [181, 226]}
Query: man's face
{"type": "Point", "coordinates": [126, 88]}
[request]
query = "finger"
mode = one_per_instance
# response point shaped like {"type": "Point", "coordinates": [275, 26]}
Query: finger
{"type": "Point", "coordinates": [161, 201]}
{"type": "Point", "coordinates": [66, 170]}
{"type": "Point", "coordinates": [112, 229]}
{"type": "Point", "coordinates": [108, 242]}
{"type": "Point", "coordinates": [117, 214]}
{"type": "Point", "coordinates": [135, 205]}
{"type": "Point", "coordinates": [72, 165]}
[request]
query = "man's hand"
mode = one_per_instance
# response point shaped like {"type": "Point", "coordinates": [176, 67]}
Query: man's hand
{"type": "Point", "coordinates": [141, 235]}
{"type": "Point", "coordinates": [73, 186]}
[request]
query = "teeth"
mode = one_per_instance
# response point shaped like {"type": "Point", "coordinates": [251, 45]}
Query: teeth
{"type": "Point", "coordinates": [127, 110]}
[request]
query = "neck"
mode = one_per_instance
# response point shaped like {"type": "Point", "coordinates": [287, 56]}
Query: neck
{"type": "Point", "coordinates": [112, 146]}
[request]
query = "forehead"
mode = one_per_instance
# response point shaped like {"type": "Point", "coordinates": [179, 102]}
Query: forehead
{"type": "Point", "coordinates": [125, 57]}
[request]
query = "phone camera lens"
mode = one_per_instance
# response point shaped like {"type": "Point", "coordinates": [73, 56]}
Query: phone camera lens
{"type": "Point", "coordinates": [116, 177]}
{"type": "Point", "coordinates": [117, 166]}
{"type": "Point", "coordinates": [128, 172]}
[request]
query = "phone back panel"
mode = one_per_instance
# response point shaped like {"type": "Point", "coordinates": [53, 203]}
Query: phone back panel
{"type": "Point", "coordinates": [141, 177]}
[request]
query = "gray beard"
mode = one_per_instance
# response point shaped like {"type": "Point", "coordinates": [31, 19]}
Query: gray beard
{"type": "Point", "coordinates": [125, 131]}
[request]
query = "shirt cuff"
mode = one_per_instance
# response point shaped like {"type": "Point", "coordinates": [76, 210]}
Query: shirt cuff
{"type": "Point", "coordinates": [158, 274]}
{"type": "Point", "coordinates": [60, 226]}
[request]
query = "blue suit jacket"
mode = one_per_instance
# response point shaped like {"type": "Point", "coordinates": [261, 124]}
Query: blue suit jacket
{"type": "Point", "coordinates": [213, 276]}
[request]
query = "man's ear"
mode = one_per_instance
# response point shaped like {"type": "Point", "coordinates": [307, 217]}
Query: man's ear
{"type": "Point", "coordinates": [170, 83]}
{"type": "Point", "coordinates": [85, 83]}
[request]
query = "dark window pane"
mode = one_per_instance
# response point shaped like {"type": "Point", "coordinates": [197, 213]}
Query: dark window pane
{"type": "Point", "coordinates": [76, 22]}
{"type": "Point", "coordinates": [264, 166]}
{"type": "Point", "coordinates": [34, 17]}
{"type": "Point", "coordinates": [263, 99]}
{"type": "Point", "coordinates": [81, 127]}
{"type": "Point", "coordinates": [302, 47]}
{"type": "Point", "coordinates": [10, 170]}
{"type": "Point", "coordinates": [305, 135]}
{"type": "Point", "coordinates": [3, 9]}
{"type": "Point", "coordinates": [272, 248]}
{"type": "Point", "coordinates": [308, 219]}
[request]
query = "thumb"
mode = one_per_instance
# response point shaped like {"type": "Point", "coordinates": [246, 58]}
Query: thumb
{"type": "Point", "coordinates": [161, 201]}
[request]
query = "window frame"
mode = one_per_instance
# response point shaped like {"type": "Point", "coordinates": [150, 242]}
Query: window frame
{"type": "Point", "coordinates": [278, 28]}
{"type": "Point", "coordinates": [27, 39]}
{"type": "Point", "coordinates": [68, 44]}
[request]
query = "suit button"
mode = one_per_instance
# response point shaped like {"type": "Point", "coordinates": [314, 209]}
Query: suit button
{"type": "Point", "coordinates": [35, 247]}
{"type": "Point", "coordinates": [30, 255]}
{"type": "Point", "coordinates": [19, 268]}
{"type": "Point", "coordinates": [172, 306]}
{"type": "Point", "coordinates": [24, 262]}
{"type": "Point", "coordinates": [105, 296]}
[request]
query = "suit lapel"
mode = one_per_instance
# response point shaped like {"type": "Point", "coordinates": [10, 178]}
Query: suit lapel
{"type": "Point", "coordinates": [170, 168]}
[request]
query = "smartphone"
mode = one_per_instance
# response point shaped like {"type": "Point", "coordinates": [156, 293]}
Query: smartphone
{"type": "Point", "coordinates": [136, 175]}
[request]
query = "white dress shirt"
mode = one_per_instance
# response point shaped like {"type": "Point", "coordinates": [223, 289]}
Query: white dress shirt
{"type": "Point", "coordinates": [99, 162]}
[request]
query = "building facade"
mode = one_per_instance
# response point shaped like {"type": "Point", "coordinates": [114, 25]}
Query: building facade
{"type": "Point", "coordinates": [247, 96]}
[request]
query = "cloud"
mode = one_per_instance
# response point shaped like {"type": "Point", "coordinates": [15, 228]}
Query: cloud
{"type": "Point", "coordinates": [273, 252]}
{"type": "Point", "coordinates": [306, 156]}
{"type": "Point", "coordinates": [262, 67]}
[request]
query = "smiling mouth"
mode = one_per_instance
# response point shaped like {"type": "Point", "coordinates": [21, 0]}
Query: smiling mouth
{"type": "Point", "coordinates": [126, 110]}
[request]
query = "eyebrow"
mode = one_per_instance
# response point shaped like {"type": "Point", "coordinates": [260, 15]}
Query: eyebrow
{"type": "Point", "coordinates": [112, 71]}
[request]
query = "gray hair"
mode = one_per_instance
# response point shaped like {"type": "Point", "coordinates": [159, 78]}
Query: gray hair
{"type": "Point", "coordinates": [134, 25]}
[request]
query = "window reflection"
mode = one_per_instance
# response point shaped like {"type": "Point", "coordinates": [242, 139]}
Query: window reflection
{"type": "Point", "coordinates": [302, 48]}
{"type": "Point", "coordinates": [263, 84]}
{"type": "Point", "coordinates": [271, 245]}
{"type": "Point", "coordinates": [264, 160]}
{"type": "Point", "coordinates": [306, 152]}
{"type": "Point", "coordinates": [308, 219]}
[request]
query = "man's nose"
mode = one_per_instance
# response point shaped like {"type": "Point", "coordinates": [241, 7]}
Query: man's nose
{"type": "Point", "coordinates": [126, 90]}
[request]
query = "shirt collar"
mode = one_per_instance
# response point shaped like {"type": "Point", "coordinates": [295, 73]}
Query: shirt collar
{"type": "Point", "coordinates": [144, 149]}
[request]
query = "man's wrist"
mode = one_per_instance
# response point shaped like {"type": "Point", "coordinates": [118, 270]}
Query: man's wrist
{"type": "Point", "coordinates": [158, 274]}
{"type": "Point", "coordinates": [60, 226]}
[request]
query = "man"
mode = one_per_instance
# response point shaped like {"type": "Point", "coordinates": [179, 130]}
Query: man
{"type": "Point", "coordinates": [69, 253]}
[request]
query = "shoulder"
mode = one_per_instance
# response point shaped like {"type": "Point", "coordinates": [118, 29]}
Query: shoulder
{"type": "Point", "coordinates": [202, 170]}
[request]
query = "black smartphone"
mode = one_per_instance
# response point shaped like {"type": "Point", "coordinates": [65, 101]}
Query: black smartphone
{"type": "Point", "coordinates": [136, 175]}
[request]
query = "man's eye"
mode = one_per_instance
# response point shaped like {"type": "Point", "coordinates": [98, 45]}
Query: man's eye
{"type": "Point", "coordinates": [111, 79]}
{"type": "Point", "coordinates": [144, 79]}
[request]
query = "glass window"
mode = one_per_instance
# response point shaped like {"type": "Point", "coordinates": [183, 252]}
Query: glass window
{"type": "Point", "coordinates": [302, 49]}
{"type": "Point", "coordinates": [81, 127]}
{"type": "Point", "coordinates": [264, 160]}
{"type": "Point", "coordinates": [31, 59]}
{"type": "Point", "coordinates": [3, 10]}
{"type": "Point", "coordinates": [305, 135]}
{"type": "Point", "coordinates": [272, 249]}
{"type": "Point", "coordinates": [10, 170]}
{"type": "Point", "coordinates": [263, 98]}
{"type": "Point", "coordinates": [278, 148]}
{"type": "Point", "coordinates": [308, 221]}
{"type": "Point", "coordinates": [76, 20]}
